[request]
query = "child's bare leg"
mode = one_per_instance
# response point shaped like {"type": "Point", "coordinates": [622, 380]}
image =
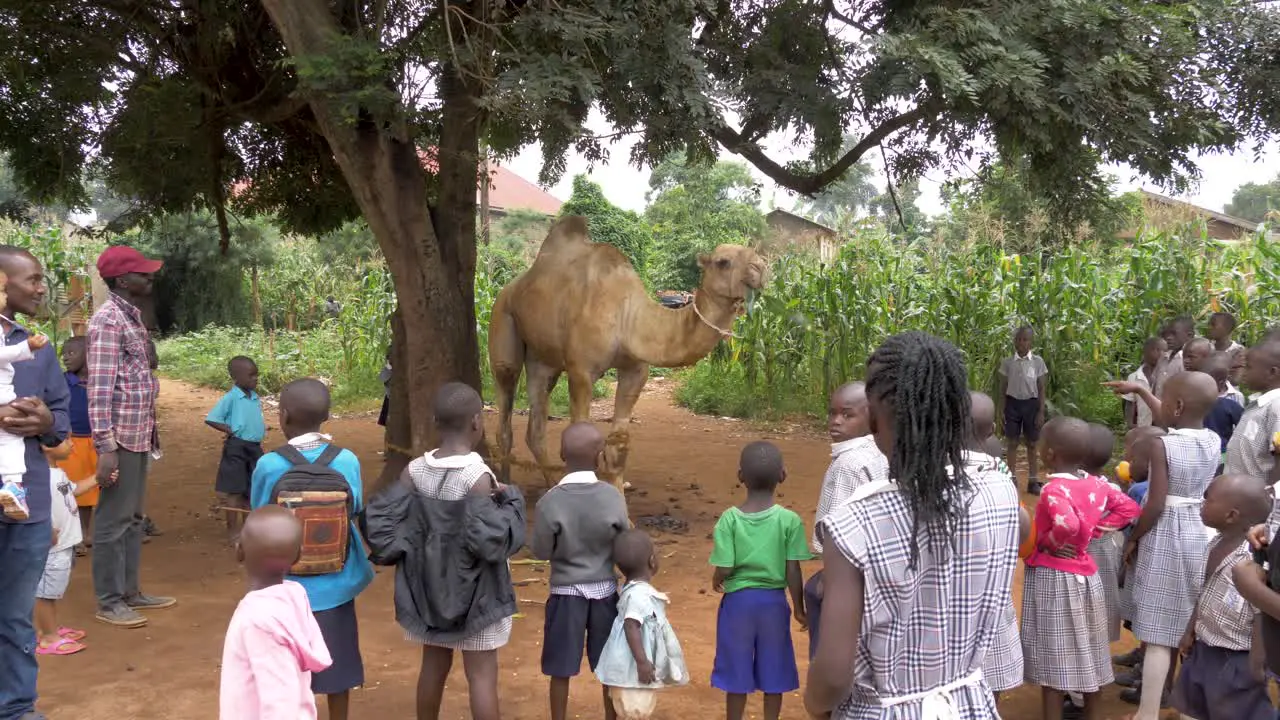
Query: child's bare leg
{"type": "Point", "coordinates": [1091, 706]}
{"type": "Point", "coordinates": [560, 698]}
{"type": "Point", "coordinates": [610, 712]}
{"type": "Point", "coordinates": [86, 525]}
{"type": "Point", "coordinates": [1033, 463]}
{"type": "Point", "coordinates": [1011, 456]}
{"type": "Point", "coordinates": [772, 706]}
{"type": "Point", "coordinates": [436, 663]}
{"type": "Point", "coordinates": [45, 618]}
{"type": "Point", "coordinates": [482, 683]}
{"type": "Point", "coordinates": [339, 704]}
{"type": "Point", "coordinates": [1050, 703]}
{"type": "Point", "coordinates": [735, 706]}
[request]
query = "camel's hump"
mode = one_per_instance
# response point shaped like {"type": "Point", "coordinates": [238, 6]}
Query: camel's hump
{"type": "Point", "coordinates": [567, 232]}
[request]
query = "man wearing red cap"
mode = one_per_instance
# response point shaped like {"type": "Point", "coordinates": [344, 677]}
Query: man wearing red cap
{"type": "Point", "coordinates": [122, 413]}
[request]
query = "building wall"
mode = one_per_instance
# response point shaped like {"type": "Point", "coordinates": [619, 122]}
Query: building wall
{"type": "Point", "coordinates": [788, 234]}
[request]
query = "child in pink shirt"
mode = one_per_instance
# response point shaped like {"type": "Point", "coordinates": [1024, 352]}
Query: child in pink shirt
{"type": "Point", "coordinates": [273, 644]}
{"type": "Point", "coordinates": [1064, 613]}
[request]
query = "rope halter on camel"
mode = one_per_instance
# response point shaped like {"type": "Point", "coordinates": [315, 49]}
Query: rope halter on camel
{"type": "Point", "coordinates": [723, 333]}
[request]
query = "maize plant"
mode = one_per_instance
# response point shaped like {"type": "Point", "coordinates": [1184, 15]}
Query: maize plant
{"type": "Point", "coordinates": [1092, 307]}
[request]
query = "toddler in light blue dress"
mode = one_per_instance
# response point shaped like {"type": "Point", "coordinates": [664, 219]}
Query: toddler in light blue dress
{"type": "Point", "coordinates": [642, 654]}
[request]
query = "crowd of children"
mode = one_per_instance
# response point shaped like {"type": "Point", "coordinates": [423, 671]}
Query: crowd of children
{"type": "Point", "coordinates": [918, 529]}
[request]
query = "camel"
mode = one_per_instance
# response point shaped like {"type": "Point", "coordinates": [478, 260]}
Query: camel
{"type": "Point", "coordinates": [581, 309]}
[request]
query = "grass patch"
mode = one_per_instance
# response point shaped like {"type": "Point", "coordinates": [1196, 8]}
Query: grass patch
{"type": "Point", "coordinates": [715, 388]}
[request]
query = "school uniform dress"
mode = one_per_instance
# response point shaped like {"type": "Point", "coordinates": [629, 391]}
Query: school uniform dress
{"type": "Point", "coordinates": [1249, 451]}
{"type": "Point", "coordinates": [242, 412]}
{"type": "Point", "coordinates": [1064, 611]}
{"type": "Point", "coordinates": [1215, 682]}
{"type": "Point", "coordinates": [452, 478]}
{"type": "Point", "coordinates": [1002, 666]}
{"type": "Point", "coordinates": [927, 628]}
{"type": "Point", "coordinates": [854, 463]}
{"type": "Point", "coordinates": [1106, 551]}
{"type": "Point", "coordinates": [1170, 565]}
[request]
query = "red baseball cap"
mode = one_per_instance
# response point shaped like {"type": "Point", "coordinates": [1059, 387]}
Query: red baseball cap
{"type": "Point", "coordinates": [121, 260]}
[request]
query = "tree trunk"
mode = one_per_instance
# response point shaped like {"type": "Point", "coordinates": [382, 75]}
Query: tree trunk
{"type": "Point", "coordinates": [432, 265]}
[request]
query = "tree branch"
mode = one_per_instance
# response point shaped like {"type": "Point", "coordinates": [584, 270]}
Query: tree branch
{"type": "Point", "coordinates": [833, 12]}
{"type": "Point", "coordinates": [813, 183]}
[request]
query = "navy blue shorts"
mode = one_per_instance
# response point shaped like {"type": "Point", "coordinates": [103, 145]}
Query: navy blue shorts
{"type": "Point", "coordinates": [1215, 684]}
{"type": "Point", "coordinates": [341, 633]}
{"type": "Point", "coordinates": [813, 609]}
{"type": "Point", "coordinates": [572, 623]}
{"type": "Point", "coordinates": [1020, 419]}
{"type": "Point", "coordinates": [235, 469]}
{"type": "Point", "coordinates": [753, 644]}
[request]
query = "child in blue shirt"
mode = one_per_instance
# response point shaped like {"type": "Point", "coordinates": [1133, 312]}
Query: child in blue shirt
{"type": "Point", "coordinates": [238, 416]}
{"type": "Point", "coordinates": [304, 408]}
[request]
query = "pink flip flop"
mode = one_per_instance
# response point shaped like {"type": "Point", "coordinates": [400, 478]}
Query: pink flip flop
{"type": "Point", "coordinates": [70, 634]}
{"type": "Point", "coordinates": [62, 647]}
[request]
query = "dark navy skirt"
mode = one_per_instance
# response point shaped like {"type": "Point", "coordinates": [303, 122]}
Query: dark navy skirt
{"type": "Point", "coordinates": [342, 634]}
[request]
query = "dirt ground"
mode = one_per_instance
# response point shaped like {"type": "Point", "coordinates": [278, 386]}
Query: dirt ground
{"type": "Point", "coordinates": [681, 464]}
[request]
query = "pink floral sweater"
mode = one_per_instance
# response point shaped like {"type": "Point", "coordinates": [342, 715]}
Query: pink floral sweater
{"type": "Point", "coordinates": [1071, 511]}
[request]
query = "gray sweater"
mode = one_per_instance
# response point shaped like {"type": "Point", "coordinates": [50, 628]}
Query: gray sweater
{"type": "Point", "coordinates": [575, 526]}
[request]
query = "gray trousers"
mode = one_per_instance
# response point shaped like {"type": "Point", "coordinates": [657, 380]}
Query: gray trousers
{"type": "Point", "coordinates": [117, 532]}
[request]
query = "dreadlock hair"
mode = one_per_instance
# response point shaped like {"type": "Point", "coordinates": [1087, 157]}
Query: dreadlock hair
{"type": "Point", "coordinates": [923, 378]}
{"type": "Point", "coordinates": [456, 406]}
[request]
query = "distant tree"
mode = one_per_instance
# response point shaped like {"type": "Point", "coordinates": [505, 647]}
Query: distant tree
{"type": "Point", "coordinates": [1254, 201]}
{"type": "Point", "coordinates": [886, 210]}
{"type": "Point", "coordinates": [693, 207]}
{"type": "Point", "coordinates": [608, 223]}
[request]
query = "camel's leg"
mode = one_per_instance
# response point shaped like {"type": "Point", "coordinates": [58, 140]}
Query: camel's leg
{"type": "Point", "coordinates": [506, 360]}
{"type": "Point", "coordinates": [538, 381]}
{"type": "Point", "coordinates": [631, 382]}
{"type": "Point", "coordinates": [580, 386]}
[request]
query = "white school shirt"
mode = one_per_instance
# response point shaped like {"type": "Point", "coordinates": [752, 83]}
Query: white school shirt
{"type": "Point", "coordinates": [1144, 410]}
{"type": "Point", "coordinates": [63, 512]}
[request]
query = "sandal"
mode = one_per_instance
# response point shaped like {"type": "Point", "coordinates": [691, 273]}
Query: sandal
{"type": "Point", "coordinates": [71, 634]}
{"type": "Point", "coordinates": [62, 647]}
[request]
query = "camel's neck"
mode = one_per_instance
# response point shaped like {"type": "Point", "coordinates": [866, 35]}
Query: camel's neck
{"type": "Point", "coordinates": [675, 338]}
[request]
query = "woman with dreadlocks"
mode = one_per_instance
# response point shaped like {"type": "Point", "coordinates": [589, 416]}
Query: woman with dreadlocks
{"type": "Point", "coordinates": [919, 568]}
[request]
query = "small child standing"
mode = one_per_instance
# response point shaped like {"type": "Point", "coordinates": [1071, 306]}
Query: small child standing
{"type": "Point", "coordinates": [758, 548]}
{"type": "Point", "coordinates": [1136, 412]}
{"type": "Point", "coordinates": [238, 416]}
{"type": "Point", "coordinates": [13, 448]}
{"type": "Point", "coordinates": [855, 461]}
{"type": "Point", "coordinates": [273, 644]}
{"type": "Point", "coordinates": [1251, 449]}
{"type": "Point", "coordinates": [1064, 611]}
{"type": "Point", "coordinates": [576, 524]}
{"type": "Point", "coordinates": [55, 639]}
{"type": "Point", "coordinates": [1023, 379]}
{"type": "Point", "coordinates": [82, 462]}
{"type": "Point", "coordinates": [1216, 682]}
{"type": "Point", "coordinates": [1221, 326]}
{"type": "Point", "coordinates": [1169, 540]}
{"type": "Point", "coordinates": [450, 528]}
{"type": "Point", "coordinates": [642, 653]}
{"type": "Point", "coordinates": [332, 573]}
{"type": "Point", "coordinates": [1227, 411]}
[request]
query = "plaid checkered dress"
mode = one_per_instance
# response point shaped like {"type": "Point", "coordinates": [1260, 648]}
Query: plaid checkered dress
{"type": "Point", "coordinates": [1170, 566]}
{"type": "Point", "coordinates": [1002, 667]}
{"type": "Point", "coordinates": [441, 483]}
{"type": "Point", "coordinates": [1105, 551]}
{"type": "Point", "coordinates": [926, 627]}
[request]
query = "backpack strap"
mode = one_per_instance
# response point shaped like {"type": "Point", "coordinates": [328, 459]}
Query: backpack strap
{"type": "Point", "coordinates": [330, 454]}
{"type": "Point", "coordinates": [291, 453]}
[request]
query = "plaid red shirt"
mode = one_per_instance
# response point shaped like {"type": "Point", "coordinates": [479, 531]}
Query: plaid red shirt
{"type": "Point", "coordinates": [122, 386]}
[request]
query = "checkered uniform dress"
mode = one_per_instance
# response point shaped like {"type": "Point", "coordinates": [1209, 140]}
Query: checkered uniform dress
{"type": "Point", "coordinates": [439, 483]}
{"type": "Point", "coordinates": [1002, 667]}
{"type": "Point", "coordinates": [926, 627]}
{"type": "Point", "coordinates": [1170, 566]}
{"type": "Point", "coordinates": [1106, 551]}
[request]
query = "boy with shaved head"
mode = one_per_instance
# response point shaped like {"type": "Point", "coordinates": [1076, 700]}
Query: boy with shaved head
{"type": "Point", "coordinates": [273, 644]}
{"type": "Point", "coordinates": [1251, 449]}
{"type": "Point", "coordinates": [855, 461]}
{"type": "Point", "coordinates": [575, 528]}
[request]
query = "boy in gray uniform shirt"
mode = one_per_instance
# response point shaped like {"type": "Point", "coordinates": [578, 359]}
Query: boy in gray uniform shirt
{"type": "Point", "coordinates": [576, 524]}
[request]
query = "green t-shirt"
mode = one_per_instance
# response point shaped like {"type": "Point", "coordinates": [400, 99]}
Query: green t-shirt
{"type": "Point", "coordinates": [757, 547]}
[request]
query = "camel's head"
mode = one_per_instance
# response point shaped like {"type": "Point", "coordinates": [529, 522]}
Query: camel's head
{"type": "Point", "coordinates": [731, 271]}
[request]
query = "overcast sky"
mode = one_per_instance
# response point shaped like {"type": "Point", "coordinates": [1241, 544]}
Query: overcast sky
{"type": "Point", "coordinates": [625, 185]}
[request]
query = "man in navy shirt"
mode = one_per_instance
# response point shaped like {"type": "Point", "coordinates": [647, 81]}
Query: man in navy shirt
{"type": "Point", "coordinates": [42, 398]}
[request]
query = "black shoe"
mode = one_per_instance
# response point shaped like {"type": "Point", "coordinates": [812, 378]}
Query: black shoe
{"type": "Point", "coordinates": [1034, 487]}
{"type": "Point", "coordinates": [149, 528]}
{"type": "Point", "coordinates": [1133, 696]}
{"type": "Point", "coordinates": [1071, 711]}
{"type": "Point", "coordinates": [1131, 679]}
{"type": "Point", "coordinates": [1129, 659]}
